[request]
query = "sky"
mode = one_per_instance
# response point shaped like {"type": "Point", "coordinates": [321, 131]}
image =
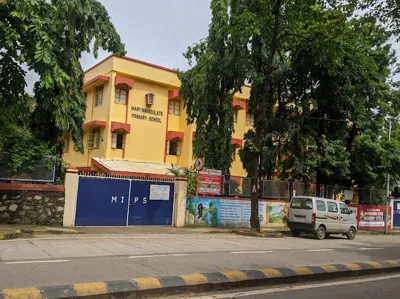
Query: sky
{"type": "Point", "coordinates": [156, 31]}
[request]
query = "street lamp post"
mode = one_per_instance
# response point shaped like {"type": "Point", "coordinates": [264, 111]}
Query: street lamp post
{"type": "Point", "coordinates": [387, 188]}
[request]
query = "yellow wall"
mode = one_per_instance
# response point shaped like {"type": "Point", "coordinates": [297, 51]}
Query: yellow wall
{"type": "Point", "coordinates": [147, 139]}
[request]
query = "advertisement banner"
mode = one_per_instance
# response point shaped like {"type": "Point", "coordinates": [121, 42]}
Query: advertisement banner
{"type": "Point", "coordinates": [233, 212]}
{"type": "Point", "coordinates": [210, 182]}
{"type": "Point", "coordinates": [372, 217]}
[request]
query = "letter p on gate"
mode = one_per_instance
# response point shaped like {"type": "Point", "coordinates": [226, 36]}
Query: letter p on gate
{"type": "Point", "coordinates": [136, 199]}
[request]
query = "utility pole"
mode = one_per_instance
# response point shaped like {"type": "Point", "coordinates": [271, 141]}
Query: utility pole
{"type": "Point", "coordinates": [388, 187]}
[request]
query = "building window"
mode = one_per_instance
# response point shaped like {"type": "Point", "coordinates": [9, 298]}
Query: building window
{"type": "Point", "coordinates": [99, 95]}
{"type": "Point", "coordinates": [235, 116]}
{"type": "Point", "coordinates": [94, 138]}
{"type": "Point", "coordinates": [249, 119]}
{"type": "Point", "coordinates": [174, 147]}
{"type": "Point", "coordinates": [118, 141]}
{"type": "Point", "coordinates": [174, 107]}
{"type": "Point", "coordinates": [233, 153]}
{"type": "Point", "coordinates": [121, 95]}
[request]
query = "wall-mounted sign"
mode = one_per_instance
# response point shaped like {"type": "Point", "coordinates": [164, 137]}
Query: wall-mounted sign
{"type": "Point", "coordinates": [159, 192]}
{"type": "Point", "coordinates": [136, 110]}
{"type": "Point", "coordinates": [210, 182]}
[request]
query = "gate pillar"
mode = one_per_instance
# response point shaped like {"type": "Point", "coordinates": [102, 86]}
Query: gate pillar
{"type": "Point", "coordinates": [180, 201]}
{"type": "Point", "coordinates": [71, 195]}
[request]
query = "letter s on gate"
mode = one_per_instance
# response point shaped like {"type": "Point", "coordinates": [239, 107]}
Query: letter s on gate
{"type": "Point", "coordinates": [144, 200]}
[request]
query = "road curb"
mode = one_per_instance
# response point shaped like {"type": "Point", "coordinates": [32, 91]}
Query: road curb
{"type": "Point", "coordinates": [161, 286]}
{"type": "Point", "coordinates": [256, 234]}
{"type": "Point", "coordinates": [9, 236]}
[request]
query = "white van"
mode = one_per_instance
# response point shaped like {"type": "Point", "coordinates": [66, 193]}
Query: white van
{"type": "Point", "coordinates": [321, 217]}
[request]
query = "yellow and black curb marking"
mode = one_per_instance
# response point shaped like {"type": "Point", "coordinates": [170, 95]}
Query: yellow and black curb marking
{"type": "Point", "coordinates": [9, 236]}
{"type": "Point", "coordinates": [140, 287]}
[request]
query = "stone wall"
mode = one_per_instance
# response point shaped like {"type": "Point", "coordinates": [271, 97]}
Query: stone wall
{"type": "Point", "coordinates": [31, 207]}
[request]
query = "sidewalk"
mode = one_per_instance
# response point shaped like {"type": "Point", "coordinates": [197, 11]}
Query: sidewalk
{"type": "Point", "coordinates": [32, 230]}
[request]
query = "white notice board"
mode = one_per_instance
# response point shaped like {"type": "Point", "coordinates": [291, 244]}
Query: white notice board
{"type": "Point", "coordinates": [159, 192]}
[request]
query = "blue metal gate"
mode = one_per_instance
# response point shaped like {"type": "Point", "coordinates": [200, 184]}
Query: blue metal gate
{"type": "Point", "coordinates": [121, 202]}
{"type": "Point", "coordinates": [396, 213]}
{"type": "Point", "coordinates": [151, 203]}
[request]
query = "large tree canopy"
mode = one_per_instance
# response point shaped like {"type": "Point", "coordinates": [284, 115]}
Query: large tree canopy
{"type": "Point", "coordinates": [48, 37]}
{"type": "Point", "coordinates": [319, 73]}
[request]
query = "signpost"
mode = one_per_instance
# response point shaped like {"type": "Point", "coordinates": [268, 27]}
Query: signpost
{"type": "Point", "coordinates": [198, 165]}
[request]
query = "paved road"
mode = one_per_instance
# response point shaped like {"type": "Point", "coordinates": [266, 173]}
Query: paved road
{"type": "Point", "coordinates": [366, 288]}
{"type": "Point", "coordinates": [67, 260]}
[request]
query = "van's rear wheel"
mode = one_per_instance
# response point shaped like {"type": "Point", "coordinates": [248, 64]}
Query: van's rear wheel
{"type": "Point", "coordinates": [351, 234]}
{"type": "Point", "coordinates": [321, 233]}
{"type": "Point", "coordinates": [295, 232]}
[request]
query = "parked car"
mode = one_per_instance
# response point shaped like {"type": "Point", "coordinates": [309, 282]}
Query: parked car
{"type": "Point", "coordinates": [321, 217]}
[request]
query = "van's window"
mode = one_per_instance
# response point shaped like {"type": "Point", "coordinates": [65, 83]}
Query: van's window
{"type": "Point", "coordinates": [321, 206]}
{"type": "Point", "coordinates": [343, 209]}
{"type": "Point", "coordinates": [301, 203]}
{"type": "Point", "coordinates": [332, 207]}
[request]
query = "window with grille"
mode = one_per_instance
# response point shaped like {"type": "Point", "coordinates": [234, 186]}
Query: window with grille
{"type": "Point", "coordinates": [121, 95]}
{"type": "Point", "coordinates": [235, 116]}
{"type": "Point", "coordinates": [249, 119]}
{"type": "Point", "coordinates": [174, 147]}
{"type": "Point", "coordinates": [233, 153]}
{"type": "Point", "coordinates": [174, 107]}
{"type": "Point", "coordinates": [99, 95]}
{"type": "Point", "coordinates": [118, 141]}
{"type": "Point", "coordinates": [94, 138]}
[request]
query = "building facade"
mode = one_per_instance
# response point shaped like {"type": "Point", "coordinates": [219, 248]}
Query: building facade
{"type": "Point", "coordinates": [134, 115]}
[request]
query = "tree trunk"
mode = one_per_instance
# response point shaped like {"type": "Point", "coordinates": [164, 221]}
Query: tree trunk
{"type": "Point", "coordinates": [261, 119]}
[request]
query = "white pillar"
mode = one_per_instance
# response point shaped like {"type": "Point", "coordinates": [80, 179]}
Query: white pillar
{"type": "Point", "coordinates": [71, 195]}
{"type": "Point", "coordinates": [180, 202]}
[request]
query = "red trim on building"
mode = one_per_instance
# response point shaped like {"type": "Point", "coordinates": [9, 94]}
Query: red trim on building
{"type": "Point", "coordinates": [172, 94]}
{"type": "Point", "coordinates": [95, 79]}
{"type": "Point", "coordinates": [124, 80]}
{"type": "Point", "coordinates": [31, 187]}
{"type": "Point", "coordinates": [95, 123]}
{"type": "Point", "coordinates": [120, 126]}
{"type": "Point", "coordinates": [239, 104]}
{"type": "Point", "coordinates": [131, 174]}
{"type": "Point", "coordinates": [237, 142]}
{"type": "Point", "coordinates": [173, 134]}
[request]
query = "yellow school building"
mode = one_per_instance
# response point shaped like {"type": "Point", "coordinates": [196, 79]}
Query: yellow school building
{"type": "Point", "coordinates": [136, 123]}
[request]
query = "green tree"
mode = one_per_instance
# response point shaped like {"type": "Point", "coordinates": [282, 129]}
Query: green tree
{"type": "Point", "coordinates": [78, 26]}
{"type": "Point", "coordinates": [48, 37]}
{"type": "Point", "coordinates": [208, 88]}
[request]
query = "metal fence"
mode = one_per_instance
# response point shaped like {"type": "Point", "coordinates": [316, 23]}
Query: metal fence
{"type": "Point", "coordinates": [43, 171]}
{"type": "Point", "coordinates": [275, 189]}
{"type": "Point", "coordinates": [270, 189]}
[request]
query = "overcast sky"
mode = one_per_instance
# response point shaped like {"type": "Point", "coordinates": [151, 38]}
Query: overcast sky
{"type": "Point", "coordinates": [157, 31]}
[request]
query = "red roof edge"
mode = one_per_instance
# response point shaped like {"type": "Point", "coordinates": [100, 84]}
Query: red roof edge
{"type": "Point", "coordinates": [124, 80]}
{"type": "Point", "coordinates": [173, 134]}
{"type": "Point", "coordinates": [132, 174]}
{"type": "Point", "coordinates": [100, 77]}
{"type": "Point", "coordinates": [238, 142]}
{"type": "Point", "coordinates": [116, 126]}
{"type": "Point", "coordinates": [95, 123]}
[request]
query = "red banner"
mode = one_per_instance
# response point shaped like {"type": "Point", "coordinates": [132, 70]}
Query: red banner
{"type": "Point", "coordinates": [210, 182]}
{"type": "Point", "coordinates": [372, 217]}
